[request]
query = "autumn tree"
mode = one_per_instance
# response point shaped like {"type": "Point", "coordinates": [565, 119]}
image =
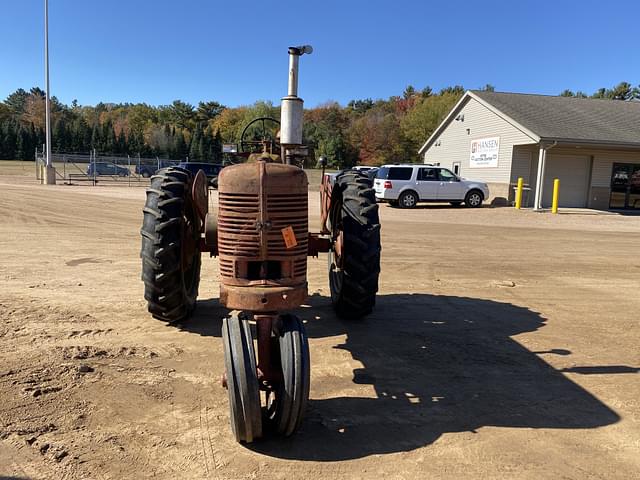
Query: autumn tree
{"type": "Point", "coordinates": [229, 124]}
{"type": "Point", "coordinates": [422, 120]}
{"type": "Point", "coordinates": [326, 130]}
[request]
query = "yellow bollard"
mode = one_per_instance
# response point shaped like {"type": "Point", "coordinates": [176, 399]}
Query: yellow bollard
{"type": "Point", "coordinates": [556, 192]}
{"type": "Point", "coordinates": [519, 193]}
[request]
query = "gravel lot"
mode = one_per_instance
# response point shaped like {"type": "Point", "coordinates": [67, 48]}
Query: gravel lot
{"type": "Point", "coordinates": [504, 345]}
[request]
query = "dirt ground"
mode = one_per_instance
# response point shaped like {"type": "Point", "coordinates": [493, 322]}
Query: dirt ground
{"type": "Point", "coordinates": [504, 345]}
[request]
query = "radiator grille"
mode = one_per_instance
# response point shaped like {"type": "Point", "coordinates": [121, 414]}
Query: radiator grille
{"type": "Point", "coordinates": [237, 234]}
{"type": "Point", "coordinates": [288, 210]}
{"type": "Point", "coordinates": [238, 237]}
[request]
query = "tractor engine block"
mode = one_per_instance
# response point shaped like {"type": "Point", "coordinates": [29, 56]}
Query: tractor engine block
{"type": "Point", "coordinates": [263, 236]}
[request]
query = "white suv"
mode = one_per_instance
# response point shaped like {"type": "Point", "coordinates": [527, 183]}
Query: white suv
{"type": "Point", "coordinates": [406, 185]}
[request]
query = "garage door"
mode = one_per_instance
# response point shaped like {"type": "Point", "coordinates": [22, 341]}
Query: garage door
{"type": "Point", "coordinates": [573, 172]}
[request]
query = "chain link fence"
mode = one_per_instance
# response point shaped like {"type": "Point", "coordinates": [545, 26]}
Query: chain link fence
{"type": "Point", "coordinates": [94, 168]}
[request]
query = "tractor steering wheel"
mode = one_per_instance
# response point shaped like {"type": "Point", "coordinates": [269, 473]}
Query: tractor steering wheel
{"type": "Point", "coordinates": [261, 136]}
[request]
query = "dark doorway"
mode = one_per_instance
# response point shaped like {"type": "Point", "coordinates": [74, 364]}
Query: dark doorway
{"type": "Point", "coordinates": [625, 186]}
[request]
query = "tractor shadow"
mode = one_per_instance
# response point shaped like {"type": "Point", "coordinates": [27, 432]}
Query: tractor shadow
{"type": "Point", "coordinates": [206, 319]}
{"type": "Point", "coordinates": [434, 364]}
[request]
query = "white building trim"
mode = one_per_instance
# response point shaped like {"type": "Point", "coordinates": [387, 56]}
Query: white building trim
{"type": "Point", "coordinates": [458, 106]}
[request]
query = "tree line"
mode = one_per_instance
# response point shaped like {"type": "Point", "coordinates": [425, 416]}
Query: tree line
{"type": "Point", "coordinates": [365, 131]}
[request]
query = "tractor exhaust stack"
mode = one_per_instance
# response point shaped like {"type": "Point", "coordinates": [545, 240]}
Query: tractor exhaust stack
{"type": "Point", "coordinates": [292, 105]}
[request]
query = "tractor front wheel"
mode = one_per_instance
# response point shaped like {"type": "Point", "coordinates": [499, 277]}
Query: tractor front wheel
{"type": "Point", "coordinates": [242, 379]}
{"type": "Point", "coordinates": [354, 258]}
{"type": "Point", "coordinates": [287, 403]}
{"type": "Point", "coordinates": [170, 246]}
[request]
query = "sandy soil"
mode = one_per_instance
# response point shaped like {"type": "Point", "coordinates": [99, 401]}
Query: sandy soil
{"type": "Point", "coordinates": [504, 345]}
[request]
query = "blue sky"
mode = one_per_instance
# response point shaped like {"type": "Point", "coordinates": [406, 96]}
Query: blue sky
{"type": "Point", "coordinates": [156, 51]}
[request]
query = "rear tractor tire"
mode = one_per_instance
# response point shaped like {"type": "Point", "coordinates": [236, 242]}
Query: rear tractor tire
{"type": "Point", "coordinates": [170, 246]}
{"type": "Point", "coordinates": [354, 258]}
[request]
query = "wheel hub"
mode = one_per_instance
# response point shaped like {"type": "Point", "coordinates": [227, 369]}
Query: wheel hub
{"type": "Point", "coordinates": [338, 246]}
{"type": "Point", "coordinates": [189, 239]}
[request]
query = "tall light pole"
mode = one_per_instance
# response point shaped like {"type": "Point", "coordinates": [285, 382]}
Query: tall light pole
{"type": "Point", "coordinates": [50, 170]}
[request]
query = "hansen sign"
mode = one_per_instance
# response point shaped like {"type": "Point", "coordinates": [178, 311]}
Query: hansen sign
{"type": "Point", "coordinates": [484, 152]}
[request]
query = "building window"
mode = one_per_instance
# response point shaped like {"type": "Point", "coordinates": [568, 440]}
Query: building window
{"type": "Point", "coordinates": [625, 186]}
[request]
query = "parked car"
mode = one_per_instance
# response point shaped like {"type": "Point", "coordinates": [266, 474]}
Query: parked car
{"type": "Point", "coordinates": [363, 168]}
{"type": "Point", "coordinates": [407, 185]}
{"type": "Point", "coordinates": [107, 168]}
{"type": "Point", "coordinates": [372, 173]}
{"type": "Point", "coordinates": [211, 170]}
{"type": "Point", "coordinates": [148, 169]}
{"type": "Point", "coordinates": [367, 170]}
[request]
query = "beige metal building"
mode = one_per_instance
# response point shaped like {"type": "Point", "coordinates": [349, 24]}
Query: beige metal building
{"type": "Point", "coordinates": [592, 146]}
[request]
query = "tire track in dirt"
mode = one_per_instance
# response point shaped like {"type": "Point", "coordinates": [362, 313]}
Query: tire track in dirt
{"type": "Point", "coordinates": [208, 453]}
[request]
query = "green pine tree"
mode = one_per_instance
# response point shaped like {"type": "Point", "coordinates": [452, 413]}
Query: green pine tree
{"type": "Point", "coordinates": [10, 140]}
{"type": "Point", "coordinates": [109, 137]}
{"type": "Point", "coordinates": [96, 138]}
{"type": "Point", "coordinates": [122, 143]}
{"type": "Point", "coordinates": [19, 145]}
{"type": "Point", "coordinates": [195, 148]}
{"type": "Point", "coordinates": [180, 145]}
{"type": "Point", "coordinates": [59, 136]}
{"type": "Point", "coordinates": [216, 147]}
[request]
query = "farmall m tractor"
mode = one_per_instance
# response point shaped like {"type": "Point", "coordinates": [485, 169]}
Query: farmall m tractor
{"type": "Point", "coordinates": [259, 232]}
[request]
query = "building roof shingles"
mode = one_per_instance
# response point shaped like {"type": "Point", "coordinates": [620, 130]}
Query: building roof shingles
{"type": "Point", "coordinates": [571, 119]}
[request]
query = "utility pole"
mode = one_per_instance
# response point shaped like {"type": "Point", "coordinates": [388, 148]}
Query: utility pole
{"type": "Point", "coordinates": [50, 170]}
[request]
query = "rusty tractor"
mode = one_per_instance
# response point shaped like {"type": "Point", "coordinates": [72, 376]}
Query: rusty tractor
{"type": "Point", "coordinates": [259, 232]}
